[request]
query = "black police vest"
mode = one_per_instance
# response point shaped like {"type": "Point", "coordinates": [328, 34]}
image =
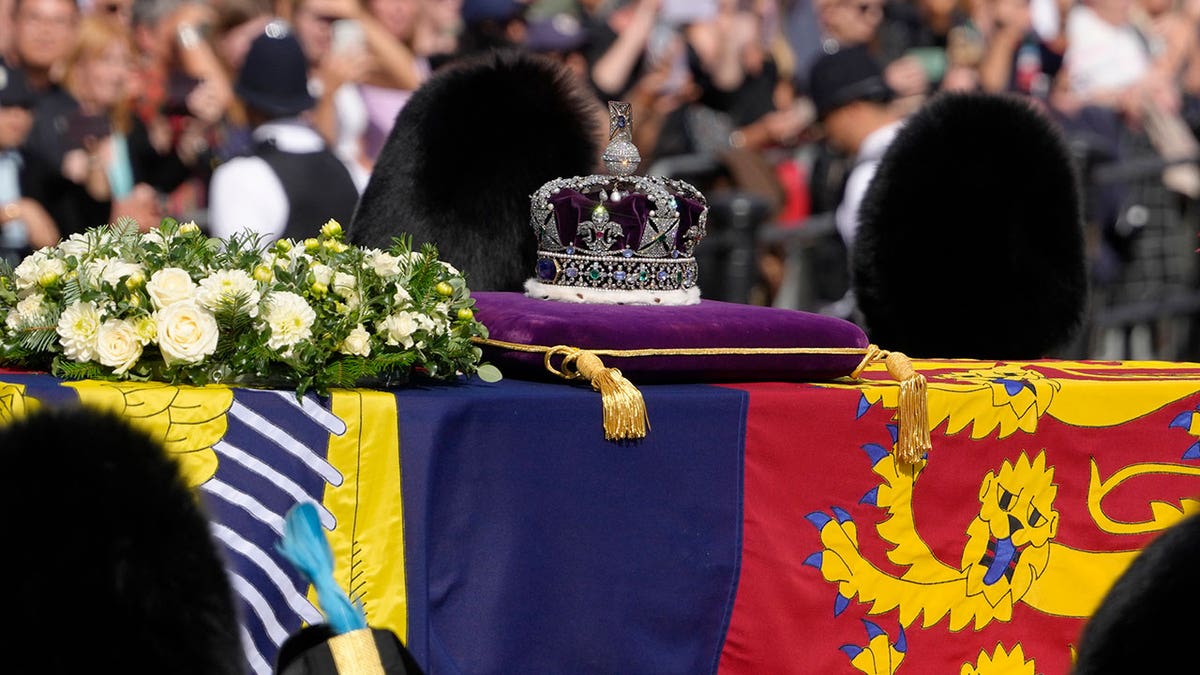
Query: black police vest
{"type": "Point", "coordinates": [318, 187]}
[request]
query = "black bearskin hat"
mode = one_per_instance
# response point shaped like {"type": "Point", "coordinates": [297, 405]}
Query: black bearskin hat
{"type": "Point", "coordinates": [1142, 625]}
{"type": "Point", "coordinates": [970, 239]}
{"type": "Point", "coordinates": [110, 554]}
{"type": "Point", "coordinates": [467, 151]}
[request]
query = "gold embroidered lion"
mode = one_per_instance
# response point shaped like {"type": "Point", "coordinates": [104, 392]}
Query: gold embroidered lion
{"type": "Point", "coordinates": [1009, 557]}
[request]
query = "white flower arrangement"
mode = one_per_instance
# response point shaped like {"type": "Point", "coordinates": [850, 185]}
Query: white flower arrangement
{"type": "Point", "coordinates": [173, 305]}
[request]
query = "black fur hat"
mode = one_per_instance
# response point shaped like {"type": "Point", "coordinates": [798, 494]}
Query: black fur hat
{"type": "Point", "coordinates": [1146, 622]}
{"type": "Point", "coordinates": [110, 553]}
{"type": "Point", "coordinates": [970, 239]}
{"type": "Point", "coordinates": [467, 151]}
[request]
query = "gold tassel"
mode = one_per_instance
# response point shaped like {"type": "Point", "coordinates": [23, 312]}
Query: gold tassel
{"type": "Point", "coordinates": [913, 409]}
{"type": "Point", "coordinates": [624, 408]}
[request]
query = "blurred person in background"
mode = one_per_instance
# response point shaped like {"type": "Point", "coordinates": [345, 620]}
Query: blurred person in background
{"type": "Point", "coordinates": [619, 43]}
{"type": "Point", "coordinates": [24, 224]}
{"type": "Point", "coordinates": [1016, 58]}
{"type": "Point", "coordinates": [6, 26]}
{"type": "Point", "coordinates": [118, 11]}
{"type": "Point", "coordinates": [439, 30]}
{"type": "Point", "coordinates": [99, 161]}
{"type": "Point", "coordinates": [182, 92]}
{"type": "Point", "coordinates": [847, 23]}
{"type": "Point", "coordinates": [337, 63]}
{"type": "Point", "coordinates": [43, 34]}
{"type": "Point", "coordinates": [235, 25]}
{"type": "Point", "coordinates": [491, 24]}
{"type": "Point", "coordinates": [387, 29]}
{"type": "Point", "coordinates": [292, 183]}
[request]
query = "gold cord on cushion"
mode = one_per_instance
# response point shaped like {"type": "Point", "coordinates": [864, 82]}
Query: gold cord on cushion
{"type": "Point", "coordinates": [625, 410]}
{"type": "Point", "coordinates": [355, 653]}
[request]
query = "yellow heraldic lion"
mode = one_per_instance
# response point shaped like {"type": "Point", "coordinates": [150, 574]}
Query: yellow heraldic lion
{"type": "Point", "coordinates": [187, 420]}
{"type": "Point", "coordinates": [14, 403]}
{"type": "Point", "coordinates": [1000, 662]}
{"type": "Point", "coordinates": [1009, 557]}
{"type": "Point", "coordinates": [880, 656]}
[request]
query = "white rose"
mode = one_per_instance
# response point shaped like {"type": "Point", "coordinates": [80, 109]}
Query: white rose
{"type": "Point", "coordinates": [344, 284]}
{"type": "Point", "coordinates": [398, 329]}
{"type": "Point", "coordinates": [89, 272]}
{"type": "Point", "coordinates": [116, 270]}
{"type": "Point", "coordinates": [385, 265]}
{"type": "Point", "coordinates": [76, 245]}
{"type": "Point", "coordinates": [154, 236]}
{"type": "Point", "coordinates": [357, 343]}
{"type": "Point", "coordinates": [402, 297]}
{"type": "Point", "coordinates": [28, 308]}
{"type": "Point", "coordinates": [289, 318]}
{"type": "Point", "coordinates": [118, 346]}
{"type": "Point", "coordinates": [78, 327]}
{"type": "Point", "coordinates": [322, 274]}
{"type": "Point", "coordinates": [187, 333]}
{"type": "Point", "coordinates": [169, 286]}
{"type": "Point", "coordinates": [227, 285]}
{"type": "Point", "coordinates": [38, 269]}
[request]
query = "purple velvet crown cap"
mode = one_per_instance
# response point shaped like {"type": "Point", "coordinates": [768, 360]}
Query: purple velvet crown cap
{"type": "Point", "coordinates": [620, 238]}
{"type": "Point", "coordinates": [708, 325]}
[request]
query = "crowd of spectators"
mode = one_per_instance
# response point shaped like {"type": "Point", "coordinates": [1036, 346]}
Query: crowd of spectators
{"type": "Point", "coordinates": [131, 105]}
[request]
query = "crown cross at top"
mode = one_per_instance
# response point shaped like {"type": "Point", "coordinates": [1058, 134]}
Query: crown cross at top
{"type": "Point", "coordinates": [621, 156]}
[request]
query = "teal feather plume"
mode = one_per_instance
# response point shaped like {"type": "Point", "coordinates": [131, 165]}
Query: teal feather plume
{"type": "Point", "coordinates": [305, 546]}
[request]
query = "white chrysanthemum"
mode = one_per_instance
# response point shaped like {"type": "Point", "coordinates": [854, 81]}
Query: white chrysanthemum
{"type": "Point", "coordinates": [78, 327]}
{"type": "Point", "coordinates": [226, 285]}
{"type": "Point", "coordinates": [357, 343]}
{"type": "Point", "coordinates": [322, 274]}
{"type": "Point", "coordinates": [402, 297]}
{"type": "Point", "coordinates": [289, 318]}
{"type": "Point", "coordinates": [187, 333]}
{"type": "Point", "coordinates": [170, 285]}
{"type": "Point", "coordinates": [146, 329]}
{"type": "Point", "coordinates": [27, 309]}
{"type": "Point", "coordinates": [398, 328]}
{"type": "Point", "coordinates": [38, 269]}
{"type": "Point", "coordinates": [451, 269]}
{"type": "Point", "coordinates": [118, 345]}
{"type": "Point", "coordinates": [385, 265]}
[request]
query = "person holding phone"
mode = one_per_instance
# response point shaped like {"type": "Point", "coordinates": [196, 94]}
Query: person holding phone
{"type": "Point", "coordinates": [101, 164]}
{"type": "Point", "coordinates": [338, 61]}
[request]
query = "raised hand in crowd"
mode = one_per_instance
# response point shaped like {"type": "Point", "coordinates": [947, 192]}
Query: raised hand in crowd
{"type": "Point", "coordinates": [613, 70]}
{"type": "Point", "coordinates": [394, 62]}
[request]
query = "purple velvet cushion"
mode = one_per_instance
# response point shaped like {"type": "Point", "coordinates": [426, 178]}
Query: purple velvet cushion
{"type": "Point", "coordinates": [512, 317]}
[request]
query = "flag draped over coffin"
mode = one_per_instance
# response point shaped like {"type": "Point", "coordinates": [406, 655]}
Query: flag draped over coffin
{"type": "Point", "coordinates": [758, 528]}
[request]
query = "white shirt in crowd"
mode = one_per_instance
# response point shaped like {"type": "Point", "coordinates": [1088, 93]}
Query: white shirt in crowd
{"type": "Point", "coordinates": [1100, 56]}
{"type": "Point", "coordinates": [865, 164]}
{"type": "Point", "coordinates": [245, 194]}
